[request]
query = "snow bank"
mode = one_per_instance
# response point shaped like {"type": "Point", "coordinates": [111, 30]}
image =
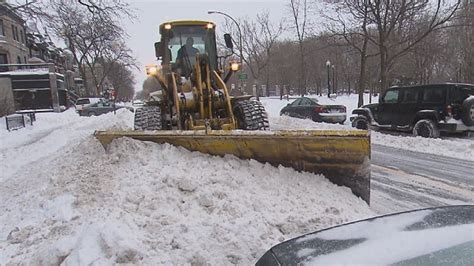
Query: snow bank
{"type": "Point", "coordinates": [286, 122]}
{"type": "Point", "coordinates": [52, 134]}
{"type": "Point", "coordinates": [274, 105]}
{"type": "Point", "coordinates": [64, 199]}
{"type": "Point", "coordinates": [449, 146]}
{"type": "Point", "coordinates": [277, 122]}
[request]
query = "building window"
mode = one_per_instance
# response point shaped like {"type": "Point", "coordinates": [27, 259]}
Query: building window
{"type": "Point", "coordinates": [22, 37]}
{"type": "Point", "coordinates": [2, 32]}
{"type": "Point", "coordinates": [3, 60]}
{"type": "Point", "coordinates": [13, 33]}
{"type": "Point", "coordinates": [16, 34]}
{"type": "Point", "coordinates": [18, 59]}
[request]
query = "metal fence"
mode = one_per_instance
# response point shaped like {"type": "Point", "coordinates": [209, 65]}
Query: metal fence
{"type": "Point", "coordinates": [17, 121]}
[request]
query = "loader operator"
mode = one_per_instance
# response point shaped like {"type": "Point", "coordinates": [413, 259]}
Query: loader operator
{"type": "Point", "coordinates": [186, 57]}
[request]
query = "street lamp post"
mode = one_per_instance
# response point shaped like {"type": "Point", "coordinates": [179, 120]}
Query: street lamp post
{"type": "Point", "coordinates": [240, 39]}
{"type": "Point", "coordinates": [334, 88]}
{"type": "Point", "coordinates": [328, 65]}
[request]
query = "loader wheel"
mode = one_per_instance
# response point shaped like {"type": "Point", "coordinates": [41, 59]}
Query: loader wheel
{"type": "Point", "coordinates": [148, 118]}
{"type": "Point", "coordinates": [251, 115]}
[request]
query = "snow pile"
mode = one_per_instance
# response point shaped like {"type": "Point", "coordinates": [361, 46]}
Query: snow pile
{"type": "Point", "coordinates": [273, 105]}
{"type": "Point", "coordinates": [51, 134]}
{"type": "Point", "coordinates": [450, 147]}
{"type": "Point", "coordinates": [286, 122]}
{"type": "Point", "coordinates": [64, 199]}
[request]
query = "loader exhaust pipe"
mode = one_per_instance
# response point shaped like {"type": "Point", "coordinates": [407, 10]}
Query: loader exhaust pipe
{"type": "Point", "coordinates": [342, 156]}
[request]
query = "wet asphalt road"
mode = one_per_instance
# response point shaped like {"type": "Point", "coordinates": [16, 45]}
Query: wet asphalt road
{"type": "Point", "coordinates": [404, 180]}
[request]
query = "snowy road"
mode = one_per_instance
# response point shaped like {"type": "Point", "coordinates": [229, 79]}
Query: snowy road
{"type": "Point", "coordinates": [407, 172]}
{"type": "Point", "coordinates": [64, 198]}
{"type": "Point", "coordinates": [403, 180]}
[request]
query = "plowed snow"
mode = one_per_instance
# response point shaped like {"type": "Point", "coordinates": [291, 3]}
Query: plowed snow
{"type": "Point", "coordinates": [64, 199]}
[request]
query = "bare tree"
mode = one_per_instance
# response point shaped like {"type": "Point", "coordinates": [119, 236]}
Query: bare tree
{"type": "Point", "coordinates": [399, 26]}
{"type": "Point", "coordinates": [354, 30]}
{"type": "Point", "coordinates": [463, 37]}
{"type": "Point", "coordinates": [299, 12]}
{"type": "Point", "coordinates": [122, 80]}
{"type": "Point", "coordinates": [259, 38]}
{"type": "Point", "coordinates": [94, 38]}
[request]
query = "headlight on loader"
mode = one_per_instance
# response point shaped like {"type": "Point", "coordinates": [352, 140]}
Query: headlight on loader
{"type": "Point", "coordinates": [151, 70]}
{"type": "Point", "coordinates": [234, 66]}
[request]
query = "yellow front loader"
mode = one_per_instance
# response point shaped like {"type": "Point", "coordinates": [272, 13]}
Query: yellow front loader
{"type": "Point", "coordinates": [190, 106]}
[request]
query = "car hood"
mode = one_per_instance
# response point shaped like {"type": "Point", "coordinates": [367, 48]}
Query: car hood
{"type": "Point", "coordinates": [417, 237]}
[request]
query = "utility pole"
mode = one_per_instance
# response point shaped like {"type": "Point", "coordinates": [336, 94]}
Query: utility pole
{"type": "Point", "coordinates": [334, 88]}
{"type": "Point", "coordinates": [328, 65]}
{"type": "Point", "coordinates": [240, 42]}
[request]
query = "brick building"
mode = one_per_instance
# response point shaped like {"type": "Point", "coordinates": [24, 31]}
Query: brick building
{"type": "Point", "coordinates": [13, 48]}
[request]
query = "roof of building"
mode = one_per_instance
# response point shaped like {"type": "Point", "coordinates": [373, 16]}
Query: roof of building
{"type": "Point", "coordinates": [8, 10]}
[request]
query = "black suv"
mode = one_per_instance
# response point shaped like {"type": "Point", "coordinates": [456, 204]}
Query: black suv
{"type": "Point", "coordinates": [425, 110]}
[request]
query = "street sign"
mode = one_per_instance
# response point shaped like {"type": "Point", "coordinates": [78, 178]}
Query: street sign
{"type": "Point", "coordinates": [242, 76]}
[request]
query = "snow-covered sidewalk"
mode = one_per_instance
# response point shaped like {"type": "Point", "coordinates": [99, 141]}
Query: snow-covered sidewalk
{"type": "Point", "coordinates": [64, 199]}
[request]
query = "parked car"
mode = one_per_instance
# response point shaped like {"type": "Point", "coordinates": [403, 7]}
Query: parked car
{"type": "Point", "coordinates": [425, 110]}
{"type": "Point", "coordinates": [81, 102]}
{"type": "Point", "coordinates": [434, 236]}
{"type": "Point", "coordinates": [101, 107]}
{"type": "Point", "coordinates": [309, 108]}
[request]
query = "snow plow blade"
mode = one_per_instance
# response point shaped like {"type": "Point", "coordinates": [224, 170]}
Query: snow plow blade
{"type": "Point", "coordinates": [342, 156]}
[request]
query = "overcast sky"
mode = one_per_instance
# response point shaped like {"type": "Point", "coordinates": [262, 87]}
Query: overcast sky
{"type": "Point", "coordinates": [151, 13]}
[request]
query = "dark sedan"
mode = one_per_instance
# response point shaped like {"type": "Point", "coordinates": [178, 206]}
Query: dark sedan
{"type": "Point", "coordinates": [101, 107]}
{"type": "Point", "coordinates": [309, 108]}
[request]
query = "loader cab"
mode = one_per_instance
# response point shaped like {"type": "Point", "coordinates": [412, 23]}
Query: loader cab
{"type": "Point", "coordinates": [174, 36]}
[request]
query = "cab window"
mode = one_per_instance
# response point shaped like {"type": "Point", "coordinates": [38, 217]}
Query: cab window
{"type": "Point", "coordinates": [391, 96]}
{"type": "Point", "coordinates": [202, 40]}
{"type": "Point", "coordinates": [459, 94]}
{"type": "Point", "coordinates": [433, 95]}
{"type": "Point", "coordinates": [410, 96]}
